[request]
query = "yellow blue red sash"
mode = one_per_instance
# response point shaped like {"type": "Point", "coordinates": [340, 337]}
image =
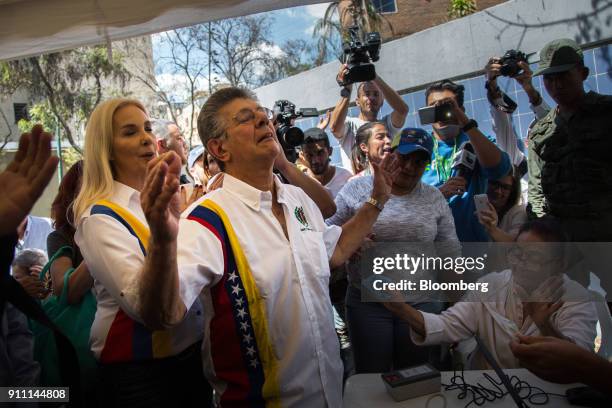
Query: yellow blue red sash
{"type": "Point", "coordinates": [240, 344]}
{"type": "Point", "coordinates": [128, 340]}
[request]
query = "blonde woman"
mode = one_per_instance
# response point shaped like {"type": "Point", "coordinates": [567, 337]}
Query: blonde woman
{"type": "Point", "coordinates": [138, 367]}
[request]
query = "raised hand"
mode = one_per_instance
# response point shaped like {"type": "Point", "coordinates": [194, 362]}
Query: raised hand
{"type": "Point", "coordinates": [324, 121]}
{"type": "Point", "coordinates": [488, 218]}
{"type": "Point", "coordinates": [459, 116]}
{"type": "Point", "coordinates": [492, 69]}
{"type": "Point", "coordinates": [160, 198]}
{"type": "Point", "coordinates": [384, 174]}
{"type": "Point", "coordinates": [524, 79]}
{"type": "Point", "coordinates": [341, 73]}
{"type": "Point", "coordinates": [25, 178]}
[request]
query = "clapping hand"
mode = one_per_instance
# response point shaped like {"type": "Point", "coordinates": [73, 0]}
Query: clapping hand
{"type": "Point", "coordinates": [160, 198]}
{"type": "Point", "coordinates": [25, 178]}
{"type": "Point", "coordinates": [384, 174]}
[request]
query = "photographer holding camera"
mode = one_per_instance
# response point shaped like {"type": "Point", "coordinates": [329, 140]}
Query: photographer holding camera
{"type": "Point", "coordinates": [513, 65]}
{"type": "Point", "coordinates": [370, 98]}
{"type": "Point", "coordinates": [456, 139]}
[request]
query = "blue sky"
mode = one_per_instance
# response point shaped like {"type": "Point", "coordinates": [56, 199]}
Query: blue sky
{"type": "Point", "coordinates": [296, 22]}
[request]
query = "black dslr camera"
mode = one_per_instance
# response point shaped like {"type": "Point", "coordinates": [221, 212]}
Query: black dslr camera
{"type": "Point", "coordinates": [290, 136]}
{"type": "Point", "coordinates": [359, 55]}
{"type": "Point", "coordinates": [509, 63]}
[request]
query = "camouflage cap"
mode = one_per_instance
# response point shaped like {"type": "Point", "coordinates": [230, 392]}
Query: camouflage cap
{"type": "Point", "coordinates": [559, 56]}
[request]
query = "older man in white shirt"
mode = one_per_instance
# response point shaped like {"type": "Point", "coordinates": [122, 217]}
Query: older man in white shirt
{"type": "Point", "coordinates": [258, 253]}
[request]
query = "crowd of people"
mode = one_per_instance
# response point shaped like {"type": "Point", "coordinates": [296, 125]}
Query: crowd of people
{"type": "Point", "coordinates": [228, 276]}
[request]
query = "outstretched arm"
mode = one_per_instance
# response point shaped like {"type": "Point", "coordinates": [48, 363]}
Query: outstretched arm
{"type": "Point", "coordinates": [317, 193]}
{"type": "Point", "coordinates": [338, 115]}
{"type": "Point", "coordinates": [357, 228]}
{"type": "Point", "coordinates": [488, 154]}
{"type": "Point", "coordinates": [408, 313]}
{"type": "Point", "coordinates": [400, 108]}
{"type": "Point", "coordinates": [160, 302]}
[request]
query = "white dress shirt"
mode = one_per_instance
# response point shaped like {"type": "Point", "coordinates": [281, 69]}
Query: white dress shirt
{"type": "Point", "coordinates": [496, 316]}
{"type": "Point", "coordinates": [114, 259]}
{"type": "Point", "coordinates": [291, 277]}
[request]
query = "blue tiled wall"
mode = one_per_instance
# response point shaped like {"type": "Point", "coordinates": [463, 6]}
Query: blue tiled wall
{"type": "Point", "coordinates": [598, 60]}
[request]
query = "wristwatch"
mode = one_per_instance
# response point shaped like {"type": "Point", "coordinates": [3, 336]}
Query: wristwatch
{"type": "Point", "coordinates": [469, 126]}
{"type": "Point", "coordinates": [376, 203]}
{"type": "Point", "coordinates": [345, 92]}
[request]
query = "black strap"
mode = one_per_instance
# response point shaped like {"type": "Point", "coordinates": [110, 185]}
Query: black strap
{"type": "Point", "coordinates": [12, 292]}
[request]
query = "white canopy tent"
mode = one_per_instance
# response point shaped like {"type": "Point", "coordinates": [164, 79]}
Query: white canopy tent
{"type": "Point", "coordinates": [33, 27]}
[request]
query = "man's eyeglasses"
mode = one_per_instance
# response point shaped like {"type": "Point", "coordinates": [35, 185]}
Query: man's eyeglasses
{"type": "Point", "coordinates": [247, 115]}
{"type": "Point", "coordinates": [517, 255]}
{"type": "Point", "coordinates": [496, 185]}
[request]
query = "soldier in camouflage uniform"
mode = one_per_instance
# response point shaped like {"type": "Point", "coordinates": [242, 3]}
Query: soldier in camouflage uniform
{"type": "Point", "coordinates": [570, 149]}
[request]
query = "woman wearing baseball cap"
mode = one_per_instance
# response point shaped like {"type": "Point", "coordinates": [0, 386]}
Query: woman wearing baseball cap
{"type": "Point", "coordinates": [415, 213]}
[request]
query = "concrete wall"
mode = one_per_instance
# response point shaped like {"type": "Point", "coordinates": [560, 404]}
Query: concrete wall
{"type": "Point", "coordinates": [459, 48]}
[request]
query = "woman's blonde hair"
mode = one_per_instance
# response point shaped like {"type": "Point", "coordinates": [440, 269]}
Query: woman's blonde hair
{"type": "Point", "coordinates": [98, 178]}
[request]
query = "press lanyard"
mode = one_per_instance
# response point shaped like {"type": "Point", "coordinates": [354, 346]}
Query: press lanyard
{"type": "Point", "coordinates": [443, 165]}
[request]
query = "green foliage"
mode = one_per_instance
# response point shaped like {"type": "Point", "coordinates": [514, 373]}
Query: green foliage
{"type": "Point", "coordinates": [461, 8]}
{"type": "Point", "coordinates": [39, 113]}
{"type": "Point", "coordinates": [70, 156]}
{"type": "Point", "coordinates": [65, 86]}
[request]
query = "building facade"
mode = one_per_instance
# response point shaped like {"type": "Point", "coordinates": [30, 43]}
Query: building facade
{"type": "Point", "coordinates": [411, 16]}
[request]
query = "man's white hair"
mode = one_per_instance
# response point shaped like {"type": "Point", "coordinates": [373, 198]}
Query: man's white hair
{"type": "Point", "coordinates": [160, 128]}
{"type": "Point", "coordinates": [30, 257]}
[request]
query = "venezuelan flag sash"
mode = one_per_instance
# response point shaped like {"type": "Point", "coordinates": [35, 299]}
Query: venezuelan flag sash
{"type": "Point", "coordinates": [128, 340]}
{"type": "Point", "coordinates": [240, 344]}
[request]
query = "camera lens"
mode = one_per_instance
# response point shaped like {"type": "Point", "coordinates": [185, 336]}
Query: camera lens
{"type": "Point", "coordinates": [293, 136]}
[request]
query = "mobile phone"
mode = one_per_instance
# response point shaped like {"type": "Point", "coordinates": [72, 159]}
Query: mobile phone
{"type": "Point", "coordinates": [436, 113]}
{"type": "Point", "coordinates": [481, 201]}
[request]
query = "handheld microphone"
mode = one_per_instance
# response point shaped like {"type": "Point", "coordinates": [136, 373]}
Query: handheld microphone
{"type": "Point", "coordinates": [464, 162]}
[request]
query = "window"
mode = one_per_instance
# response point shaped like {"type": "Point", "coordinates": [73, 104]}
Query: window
{"type": "Point", "coordinates": [21, 111]}
{"type": "Point", "coordinates": [385, 6]}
